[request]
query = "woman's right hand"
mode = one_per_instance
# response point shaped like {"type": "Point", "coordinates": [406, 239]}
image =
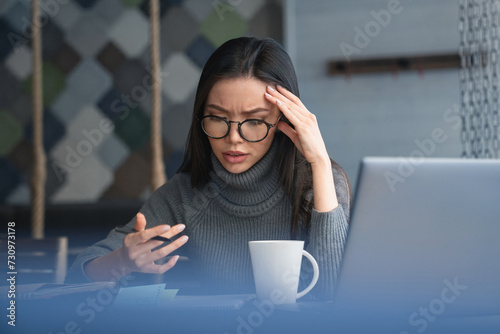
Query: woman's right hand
{"type": "Point", "coordinates": [137, 255]}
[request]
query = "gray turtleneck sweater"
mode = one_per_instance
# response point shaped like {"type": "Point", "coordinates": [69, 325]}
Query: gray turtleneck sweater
{"type": "Point", "coordinates": [230, 210]}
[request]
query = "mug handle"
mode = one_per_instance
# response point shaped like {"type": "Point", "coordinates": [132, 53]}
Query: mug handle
{"type": "Point", "coordinates": [315, 275]}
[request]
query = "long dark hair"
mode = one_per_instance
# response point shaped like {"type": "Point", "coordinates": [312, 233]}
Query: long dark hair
{"type": "Point", "coordinates": [265, 60]}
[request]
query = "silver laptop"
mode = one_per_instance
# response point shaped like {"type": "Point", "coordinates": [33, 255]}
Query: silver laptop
{"type": "Point", "coordinates": [423, 243]}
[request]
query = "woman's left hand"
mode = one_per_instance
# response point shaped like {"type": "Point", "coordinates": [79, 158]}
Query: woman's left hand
{"type": "Point", "coordinates": [306, 135]}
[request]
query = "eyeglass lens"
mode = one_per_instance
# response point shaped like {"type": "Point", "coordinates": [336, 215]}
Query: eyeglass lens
{"type": "Point", "coordinates": [251, 130]}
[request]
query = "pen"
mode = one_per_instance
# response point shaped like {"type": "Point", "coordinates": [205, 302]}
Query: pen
{"type": "Point", "coordinates": [126, 230]}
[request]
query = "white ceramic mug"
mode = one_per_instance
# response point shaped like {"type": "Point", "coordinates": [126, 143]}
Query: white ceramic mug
{"type": "Point", "coordinates": [276, 269]}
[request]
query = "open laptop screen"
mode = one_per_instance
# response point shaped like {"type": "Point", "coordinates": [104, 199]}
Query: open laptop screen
{"type": "Point", "coordinates": [424, 240]}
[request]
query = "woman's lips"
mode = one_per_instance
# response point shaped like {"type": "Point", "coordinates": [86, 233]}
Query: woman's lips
{"type": "Point", "coordinates": [234, 156]}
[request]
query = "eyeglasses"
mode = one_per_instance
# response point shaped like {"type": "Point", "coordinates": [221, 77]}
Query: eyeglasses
{"type": "Point", "coordinates": [252, 130]}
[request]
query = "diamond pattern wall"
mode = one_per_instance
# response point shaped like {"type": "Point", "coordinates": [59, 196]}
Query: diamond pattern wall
{"type": "Point", "coordinates": [20, 63]}
{"type": "Point", "coordinates": [181, 77]}
{"type": "Point", "coordinates": [131, 33]}
{"type": "Point", "coordinates": [88, 35]}
{"type": "Point", "coordinates": [10, 132]}
{"type": "Point", "coordinates": [222, 25]}
{"type": "Point", "coordinates": [53, 83]}
{"type": "Point", "coordinates": [97, 89]}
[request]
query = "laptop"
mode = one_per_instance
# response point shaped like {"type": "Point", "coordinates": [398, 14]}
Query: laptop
{"type": "Point", "coordinates": [423, 245]}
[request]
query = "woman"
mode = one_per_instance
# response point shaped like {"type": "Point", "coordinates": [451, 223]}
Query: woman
{"type": "Point", "coordinates": [255, 168]}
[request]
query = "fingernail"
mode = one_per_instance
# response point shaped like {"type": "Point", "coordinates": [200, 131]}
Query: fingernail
{"type": "Point", "coordinates": [165, 228]}
{"type": "Point", "coordinates": [184, 238]}
{"type": "Point", "coordinates": [270, 88]}
{"type": "Point", "coordinates": [278, 102]}
{"type": "Point", "coordinates": [181, 227]}
{"type": "Point", "coordinates": [268, 95]}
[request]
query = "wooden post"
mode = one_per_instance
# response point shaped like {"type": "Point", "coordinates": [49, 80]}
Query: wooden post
{"type": "Point", "coordinates": [157, 166]}
{"type": "Point", "coordinates": [39, 172]}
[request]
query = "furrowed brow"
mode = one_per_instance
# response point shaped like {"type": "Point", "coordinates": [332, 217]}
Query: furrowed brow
{"type": "Point", "coordinates": [246, 112]}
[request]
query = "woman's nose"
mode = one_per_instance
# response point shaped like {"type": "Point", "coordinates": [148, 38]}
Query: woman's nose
{"type": "Point", "coordinates": [234, 135]}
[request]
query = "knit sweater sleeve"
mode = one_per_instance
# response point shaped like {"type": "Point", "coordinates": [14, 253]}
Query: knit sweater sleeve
{"type": "Point", "coordinates": [163, 207]}
{"type": "Point", "coordinates": [327, 236]}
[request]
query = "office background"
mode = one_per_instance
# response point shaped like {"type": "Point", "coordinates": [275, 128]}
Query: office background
{"type": "Point", "coordinates": [96, 67]}
{"type": "Point", "coordinates": [390, 113]}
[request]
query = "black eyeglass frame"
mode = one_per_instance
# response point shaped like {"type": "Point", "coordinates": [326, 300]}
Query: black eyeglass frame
{"type": "Point", "coordinates": [269, 126]}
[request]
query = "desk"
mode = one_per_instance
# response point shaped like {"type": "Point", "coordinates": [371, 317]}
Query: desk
{"type": "Point", "coordinates": [85, 313]}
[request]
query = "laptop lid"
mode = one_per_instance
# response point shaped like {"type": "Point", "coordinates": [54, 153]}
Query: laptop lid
{"type": "Point", "coordinates": [424, 240]}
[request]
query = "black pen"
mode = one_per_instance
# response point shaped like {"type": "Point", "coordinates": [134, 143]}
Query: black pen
{"type": "Point", "coordinates": [126, 230]}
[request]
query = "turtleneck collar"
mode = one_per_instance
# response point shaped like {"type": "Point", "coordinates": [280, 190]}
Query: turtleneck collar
{"type": "Point", "coordinates": [256, 185]}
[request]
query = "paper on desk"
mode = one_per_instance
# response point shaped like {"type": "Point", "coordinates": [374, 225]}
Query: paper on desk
{"type": "Point", "coordinates": [169, 294]}
{"type": "Point", "coordinates": [144, 295]}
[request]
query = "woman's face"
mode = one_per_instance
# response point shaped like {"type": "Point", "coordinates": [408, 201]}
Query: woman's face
{"type": "Point", "coordinates": [237, 100]}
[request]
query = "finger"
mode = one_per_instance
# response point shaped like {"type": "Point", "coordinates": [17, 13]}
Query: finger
{"type": "Point", "coordinates": [292, 134]}
{"type": "Point", "coordinates": [132, 239]}
{"type": "Point", "coordinates": [153, 268]}
{"type": "Point", "coordinates": [274, 96]}
{"type": "Point", "coordinates": [147, 246]}
{"type": "Point", "coordinates": [140, 222]}
{"type": "Point", "coordinates": [167, 266]}
{"type": "Point", "coordinates": [145, 262]}
{"type": "Point", "coordinates": [289, 95]}
{"type": "Point", "coordinates": [137, 250]}
{"type": "Point", "coordinates": [288, 99]}
{"type": "Point", "coordinates": [173, 231]}
{"type": "Point", "coordinates": [143, 254]}
{"type": "Point", "coordinates": [288, 131]}
{"type": "Point", "coordinates": [284, 105]}
{"type": "Point", "coordinates": [162, 252]}
{"type": "Point", "coordinates": [149, 233]}
{"type": "Point", "coordinates": [291, 116]}
{"type": "Point", "coordinates": [274, 100]}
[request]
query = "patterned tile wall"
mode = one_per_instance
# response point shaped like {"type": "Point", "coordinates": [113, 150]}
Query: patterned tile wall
{"type": "Point", "coordinates": [97, 88]}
